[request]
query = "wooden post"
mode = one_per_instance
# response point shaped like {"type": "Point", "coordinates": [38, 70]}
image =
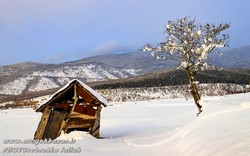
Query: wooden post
{"type": "Point", "coordinates": [95, 130]}
{"type": "Point", "coordinates": [75, 98]}
{"type": "Point", "coordinates": [42, 124]}
{"type": "Point", "coordinates": [73, 107]}
{"type": "Point", "coordinates": [63, 127]}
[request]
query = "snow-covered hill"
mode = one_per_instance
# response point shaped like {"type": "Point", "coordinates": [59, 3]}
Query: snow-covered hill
{"type": "Point", "coordinates": [16, 80]}
{"type": "Point", "coordinates": [148, 128]}
{"type": "Point", "coordinates": [26, 77]}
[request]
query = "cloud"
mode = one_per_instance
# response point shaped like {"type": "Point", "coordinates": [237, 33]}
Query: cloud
{"type": "Point", "coordinates": [109, 47]}
{"type": "Point", "coordinates": [58, 57]}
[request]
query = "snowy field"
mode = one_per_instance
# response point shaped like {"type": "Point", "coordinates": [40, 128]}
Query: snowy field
{"type": "Point", "coordinates": [149, 128]}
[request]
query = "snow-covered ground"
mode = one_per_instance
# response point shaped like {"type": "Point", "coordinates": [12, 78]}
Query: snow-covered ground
{"type": "Point", "coordinates": [158, 128]}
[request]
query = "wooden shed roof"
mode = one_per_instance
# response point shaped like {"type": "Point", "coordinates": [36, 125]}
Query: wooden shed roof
{"type": "Point", "coordinates": [83, 90]}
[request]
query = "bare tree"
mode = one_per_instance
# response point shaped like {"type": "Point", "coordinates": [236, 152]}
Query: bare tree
{"type": "Point", "coordinates": [190, 43]}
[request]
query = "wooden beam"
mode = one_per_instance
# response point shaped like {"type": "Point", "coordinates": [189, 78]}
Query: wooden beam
{"type": "Point", "coordinates": [73, 107]}
{"type": "Point", "coordinates": [95, 129]}
{"type": "Point", "coordinates": [75, 99]}
{"type": "Point", "coordinates": [81, 116]}
{"type": "Point", "coordinates": [80, 123]}
{"type": "Point", "coordinates": [42, 124]}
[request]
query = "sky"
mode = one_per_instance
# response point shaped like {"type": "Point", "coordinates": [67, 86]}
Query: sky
{"type": "Point", "coordinates": [56, 31]}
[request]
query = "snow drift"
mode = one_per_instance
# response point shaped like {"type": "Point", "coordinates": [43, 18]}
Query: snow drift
{"type": "Point", "coordinates": [158, 127]}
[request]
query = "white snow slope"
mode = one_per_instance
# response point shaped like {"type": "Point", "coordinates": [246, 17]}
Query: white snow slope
{"type": "Point", "coordinates": [152, 128]}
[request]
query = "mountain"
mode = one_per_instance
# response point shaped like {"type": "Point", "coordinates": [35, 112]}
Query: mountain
{"type": "Point", "coordinates": [29, 77]}
{"type": "Point", "coordinates": [233, 58]}
{"type": "Point", "coordinates": [137, 60]}
{"type": "Point", "coordinates": [170, 78]}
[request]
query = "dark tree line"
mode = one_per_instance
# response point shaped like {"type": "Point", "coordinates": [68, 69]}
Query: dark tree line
{"type": "Point", "coordinates": [177, 77]}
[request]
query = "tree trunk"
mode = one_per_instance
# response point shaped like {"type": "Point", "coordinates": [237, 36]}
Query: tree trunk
{"type": "Point", "coordinates": [194, 89]}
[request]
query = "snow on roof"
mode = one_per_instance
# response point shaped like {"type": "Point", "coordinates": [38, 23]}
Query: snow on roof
{"type": "Point", "coordinates": [93, 92]}
{"type": "Point", "coordinates": [90, 90]}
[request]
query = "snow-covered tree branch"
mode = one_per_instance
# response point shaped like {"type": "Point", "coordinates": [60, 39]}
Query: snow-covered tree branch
{"type": "Point", "coordinates": [190, 43]}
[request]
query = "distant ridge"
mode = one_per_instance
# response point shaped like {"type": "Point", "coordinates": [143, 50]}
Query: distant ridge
{"type": "Point", "coordinates": [233, 58]}
{"type": "Point", "coordinates": [29, 77]}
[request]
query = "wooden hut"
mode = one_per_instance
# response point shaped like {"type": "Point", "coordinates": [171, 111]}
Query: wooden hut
{"type": "Point", "coordinates": [76, 106]}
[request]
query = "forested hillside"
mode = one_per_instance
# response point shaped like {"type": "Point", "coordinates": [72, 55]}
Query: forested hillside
{"type": "Point", "coordinates": [177, 77]}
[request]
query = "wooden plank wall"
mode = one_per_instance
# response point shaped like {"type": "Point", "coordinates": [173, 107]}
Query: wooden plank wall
{"type": "Point", "coordinates": [54, 123]}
